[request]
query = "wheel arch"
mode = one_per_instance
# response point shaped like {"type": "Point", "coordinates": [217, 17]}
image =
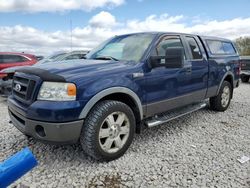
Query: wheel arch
{"type": "Point", "coordinates": [121, 94]}
{"type": "Point", "coordinates": [229, 76]}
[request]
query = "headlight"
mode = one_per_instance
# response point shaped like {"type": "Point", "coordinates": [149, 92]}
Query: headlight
{"type": "Point", "coordinates": [57, 91]}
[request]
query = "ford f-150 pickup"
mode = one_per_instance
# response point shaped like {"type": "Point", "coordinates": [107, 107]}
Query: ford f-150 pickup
{"type": "Point", "coordinates": [127, 82]}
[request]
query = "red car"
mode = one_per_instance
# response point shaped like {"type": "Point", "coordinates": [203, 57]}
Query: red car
{"type": "Point", "coordinates": [11, 59]}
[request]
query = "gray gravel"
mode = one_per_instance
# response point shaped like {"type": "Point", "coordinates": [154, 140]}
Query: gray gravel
{"type": "Point", "coordinates": [198, 150]}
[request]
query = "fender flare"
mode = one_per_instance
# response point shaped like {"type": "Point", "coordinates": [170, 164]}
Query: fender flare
{"type": "Point", "coordinates": [107, 92]}
{"type": "Point", "coordinates": [227, 74]}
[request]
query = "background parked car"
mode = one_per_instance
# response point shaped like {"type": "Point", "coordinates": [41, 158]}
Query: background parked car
{"type": "Point", "coordinates": [52, 57]}
{"type": "Point", "coordinates": [7, 74]}
{"type": "Point", "coordinates": [245, 68]}
{"type": "Point", "coordinates": [10, 59]}
{"type": "Point", "coordinates": [73, 55]}
{"type": "Point", "coordinates": [64, 56]}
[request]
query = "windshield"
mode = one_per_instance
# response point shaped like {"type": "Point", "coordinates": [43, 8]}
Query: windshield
{"type": "Point", "coordinates": [126, 47]}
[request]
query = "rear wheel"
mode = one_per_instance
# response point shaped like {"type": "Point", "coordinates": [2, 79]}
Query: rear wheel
{"type": "Point", "coordinates": [108, 130]}
{"type": "Point", "coordinates": [223, 99]}
{"type": "Point", "coordinates": [244, 78]}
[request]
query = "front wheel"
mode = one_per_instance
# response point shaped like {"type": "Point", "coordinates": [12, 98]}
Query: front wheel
{"type": "Point", "coordinates": [223, 99]}
{"type": "Point", "coordinates": [108, 130]}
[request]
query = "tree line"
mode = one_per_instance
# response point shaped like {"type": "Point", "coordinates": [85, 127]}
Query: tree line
{"type": "Point", "coordinates": [243, 45]}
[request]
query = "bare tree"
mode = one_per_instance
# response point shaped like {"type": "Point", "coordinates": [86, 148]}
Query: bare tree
{"type": "Point", "coordinates": [243, 45]}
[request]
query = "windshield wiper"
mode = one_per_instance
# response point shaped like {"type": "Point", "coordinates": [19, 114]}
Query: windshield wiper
{"type": "Point", "coordinates": [106, 58]}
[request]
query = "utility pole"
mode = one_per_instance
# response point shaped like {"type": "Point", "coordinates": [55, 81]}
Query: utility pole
{"type": "Point", "coordinates": [71, 35]}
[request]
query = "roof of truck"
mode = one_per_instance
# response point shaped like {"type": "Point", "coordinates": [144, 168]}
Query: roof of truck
{"type": "Point", "coordinates": [176, 33]}
{"type": "Point", "coordinates": [214, 38]}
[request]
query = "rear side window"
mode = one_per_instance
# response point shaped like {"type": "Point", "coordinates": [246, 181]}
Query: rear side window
{"type": "Point", "coordinates": [220, 47]}
{"type": "Point", "coordinates": [21, 59]}
{"type": "Point", "coordinates": [195, 50]}
{"type": "Point", "coordinates": [228, 48]}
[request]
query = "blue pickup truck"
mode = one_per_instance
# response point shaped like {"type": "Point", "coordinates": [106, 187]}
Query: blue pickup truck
{"type": "Point", "coordinates": [127, 83]}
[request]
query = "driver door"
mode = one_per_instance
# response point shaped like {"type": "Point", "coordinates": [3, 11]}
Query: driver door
{"type": "Point", "coordinates": [167, 87]}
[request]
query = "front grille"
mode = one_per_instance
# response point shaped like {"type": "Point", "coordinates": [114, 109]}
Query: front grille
{"type": "Point", "coordinates": [23, 89]}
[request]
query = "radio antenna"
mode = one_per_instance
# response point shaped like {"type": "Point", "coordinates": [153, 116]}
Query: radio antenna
{"type": "Point", "coordinates": [71, 35]}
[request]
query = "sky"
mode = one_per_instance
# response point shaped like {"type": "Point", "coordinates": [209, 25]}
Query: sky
{"type": "Point", "coordinates": [45, 26]}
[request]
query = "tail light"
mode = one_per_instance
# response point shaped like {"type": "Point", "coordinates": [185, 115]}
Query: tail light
{"type": "Point", "coordinates": [238, 68]}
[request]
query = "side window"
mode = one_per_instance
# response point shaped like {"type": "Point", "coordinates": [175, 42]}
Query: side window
{"type": "Point", "coordinates": [228, 48]}
{"type": "Point", "coordinates": [21, 59]}
{"type": "Point", "coordinates": [168, 43]}
{"type": "Point", "coordinates": [1, 59]}
{"type": "Point", "coordinates": [9, 58]}
{"type": "Point", "coordinates": [220, 47]}
{"type": "Point", "coordinates": [215, 47]}
{"type": "Point", "coordinates": [195, 50]}
{"type": "Point", "coordinates": [13, 59]}
{"type": "Point", "coordinates": [73, 56]}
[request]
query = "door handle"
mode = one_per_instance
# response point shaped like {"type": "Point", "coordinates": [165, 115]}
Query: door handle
{"type": "Point", "coordinates": [188, 70]}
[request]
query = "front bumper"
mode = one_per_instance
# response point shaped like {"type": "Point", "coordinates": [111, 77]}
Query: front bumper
{"type": "Point", "coordinates": [68, 132]}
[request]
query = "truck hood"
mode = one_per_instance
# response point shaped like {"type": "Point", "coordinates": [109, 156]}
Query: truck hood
{"type": "Point", "coordinates": [74, 69]}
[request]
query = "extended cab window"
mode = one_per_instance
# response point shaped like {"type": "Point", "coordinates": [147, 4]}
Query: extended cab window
{"type": "Point", "coordinates": [220, 47]}
{"type": "Point", "coordinates": [195, 50]}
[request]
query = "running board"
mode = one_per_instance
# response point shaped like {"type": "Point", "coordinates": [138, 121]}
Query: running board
{"type": "Point", "coordinates": [168, 116]}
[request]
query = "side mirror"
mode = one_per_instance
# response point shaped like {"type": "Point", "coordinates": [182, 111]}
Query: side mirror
{"type": "Point", "coordinates": [174, 58]}
{"type": "Point", "coordinates": [157, 61]}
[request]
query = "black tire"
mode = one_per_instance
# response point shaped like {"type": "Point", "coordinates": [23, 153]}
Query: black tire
{"type": "Point", "coordinates": [89, 138]}
{"type": "Point", "coordinates": [216, 102]}
{"type": "Point", "coordinates": [244, 78]}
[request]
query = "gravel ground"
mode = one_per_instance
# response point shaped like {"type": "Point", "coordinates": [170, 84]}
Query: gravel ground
{"type": "Point", "coordinates": [198, 150]}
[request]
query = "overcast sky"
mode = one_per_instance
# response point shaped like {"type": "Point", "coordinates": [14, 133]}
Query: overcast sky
{"type": "Point", "coordinates": [43, 26]}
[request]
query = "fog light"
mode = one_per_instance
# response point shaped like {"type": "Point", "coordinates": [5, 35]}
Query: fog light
{"type": "Point", "coordinates": [40, 131]}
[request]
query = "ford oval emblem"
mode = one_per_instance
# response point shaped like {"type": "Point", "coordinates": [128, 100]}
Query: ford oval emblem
{"type": "Point", "coordinates": [18, 87]}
